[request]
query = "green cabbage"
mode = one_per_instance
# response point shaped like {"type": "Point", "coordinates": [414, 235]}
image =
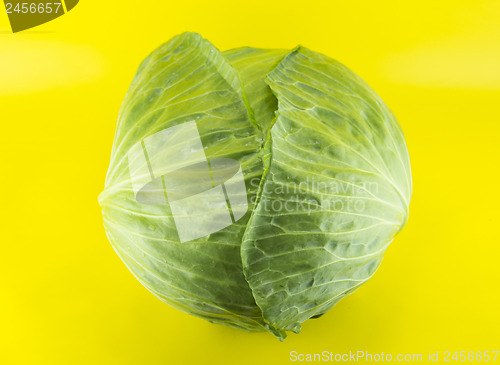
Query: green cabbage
{"type": "Point", "coordinates": [299, 176]}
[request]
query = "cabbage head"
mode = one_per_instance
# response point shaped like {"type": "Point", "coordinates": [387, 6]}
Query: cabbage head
{"type": "Point", "coordinates": [254, 188]}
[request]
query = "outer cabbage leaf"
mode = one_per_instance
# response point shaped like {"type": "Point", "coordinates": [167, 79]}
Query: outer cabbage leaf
{"type": "Point", "coordinates": [187, 79]}
{"type": "Point", "coordinates": [335, 191]}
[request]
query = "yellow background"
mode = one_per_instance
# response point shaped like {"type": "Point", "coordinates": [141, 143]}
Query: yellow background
{"type": "Point", "coordinates": [65, 297]}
